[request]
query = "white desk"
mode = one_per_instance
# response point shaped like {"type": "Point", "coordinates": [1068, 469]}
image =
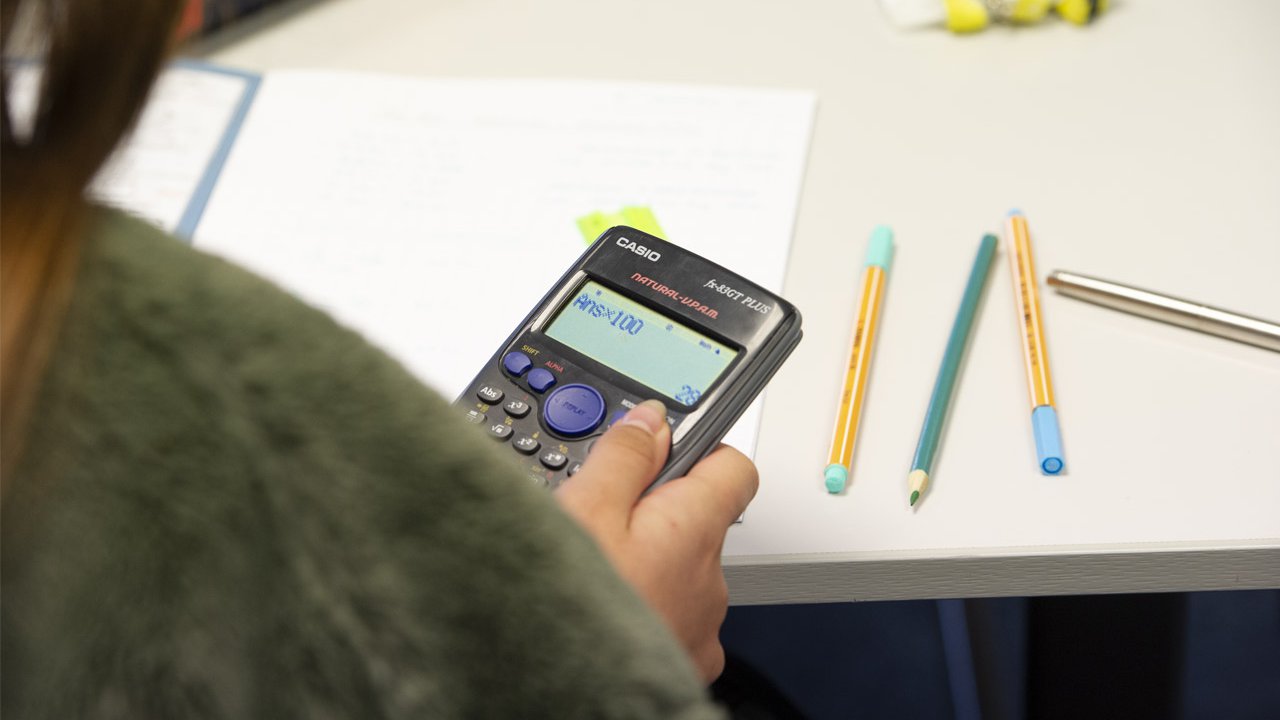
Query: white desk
{"type": "Point", "coordinates": [1144, 149]}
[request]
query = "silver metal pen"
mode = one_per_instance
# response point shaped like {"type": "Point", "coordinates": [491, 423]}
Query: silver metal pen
{"type": "Point", "coordinates": [1175, 311]}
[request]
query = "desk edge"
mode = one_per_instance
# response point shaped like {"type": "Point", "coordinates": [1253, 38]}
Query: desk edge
{"type": "Point", "coordinates": [851, 578]}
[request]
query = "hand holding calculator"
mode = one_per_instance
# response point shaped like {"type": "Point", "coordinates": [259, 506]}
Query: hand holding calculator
{"type": "Point", "coordinates": [634, 318]}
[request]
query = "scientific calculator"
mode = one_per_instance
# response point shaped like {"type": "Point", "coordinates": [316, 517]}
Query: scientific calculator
{"type": "Point", "coordinates": [634, 318]}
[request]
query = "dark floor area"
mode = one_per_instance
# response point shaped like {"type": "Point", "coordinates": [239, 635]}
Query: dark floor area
{"type": "Point", "coordinates": [1180, 656]}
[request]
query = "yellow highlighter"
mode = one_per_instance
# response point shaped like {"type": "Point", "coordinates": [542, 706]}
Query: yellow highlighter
{"type": "Point", "coordinates": [1081, 12]}
{"type": "Point", "coordinates": [1044, 418]}
{"type": "Point", "coordinates": [874, 275]}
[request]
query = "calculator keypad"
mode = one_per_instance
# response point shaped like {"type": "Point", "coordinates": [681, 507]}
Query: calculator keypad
{"type": "Point", "coordinates": [549, 412]}
{"type": "Point", "coordinates": [512, 415]}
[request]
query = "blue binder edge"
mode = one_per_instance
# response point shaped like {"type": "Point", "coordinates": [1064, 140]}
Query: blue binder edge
{"type": "Point", "coordinates": [186, 228]}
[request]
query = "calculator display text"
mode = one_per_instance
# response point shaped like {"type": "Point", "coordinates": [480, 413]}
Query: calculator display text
{"type": "Point", "coordinates": [640, 343]}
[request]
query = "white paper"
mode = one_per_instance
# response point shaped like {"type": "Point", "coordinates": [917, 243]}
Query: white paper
{"type": "Point", "coordinates": [156, 172]}
{"type": "Point", "coordinates": [432, 215]}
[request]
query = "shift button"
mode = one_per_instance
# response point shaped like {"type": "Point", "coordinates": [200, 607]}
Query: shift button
{"type": "Point", "coordinates": [516, 363]}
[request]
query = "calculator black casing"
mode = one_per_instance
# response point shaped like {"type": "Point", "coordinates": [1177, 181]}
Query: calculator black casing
{"type": "Point", "coordinates": [705, 296]}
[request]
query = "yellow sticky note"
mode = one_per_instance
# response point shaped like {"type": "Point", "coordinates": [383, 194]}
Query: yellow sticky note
{"type": "Point", "coordinates": [637, 216]}
{"type": "Point", "coordinates": [592, 225]}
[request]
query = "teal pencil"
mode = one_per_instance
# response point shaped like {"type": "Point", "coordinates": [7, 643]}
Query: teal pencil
{"type": "Point", "coordinates": [944, 386]}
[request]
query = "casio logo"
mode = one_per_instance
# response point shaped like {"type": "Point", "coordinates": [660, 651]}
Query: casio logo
{"type": "Point", "coordinates": [642, 251]}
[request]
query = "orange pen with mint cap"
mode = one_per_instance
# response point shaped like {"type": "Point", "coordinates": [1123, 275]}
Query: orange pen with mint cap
{"type": "Point", "coordinates": [874, 275]}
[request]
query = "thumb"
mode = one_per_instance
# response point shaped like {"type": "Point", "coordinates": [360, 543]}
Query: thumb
{"type": "Point", "coordinates": [624, 461]}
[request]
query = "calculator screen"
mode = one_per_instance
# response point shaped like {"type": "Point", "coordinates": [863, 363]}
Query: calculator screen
{"type": "Point", "coordinates": [642, 344]}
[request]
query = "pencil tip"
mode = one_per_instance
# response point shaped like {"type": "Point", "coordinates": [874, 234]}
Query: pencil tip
{"type": "Point", "coordinates": [915, 495]}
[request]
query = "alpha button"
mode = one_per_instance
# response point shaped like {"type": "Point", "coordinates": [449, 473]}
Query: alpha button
{"type": "Point", "coordinates": [541, 379]}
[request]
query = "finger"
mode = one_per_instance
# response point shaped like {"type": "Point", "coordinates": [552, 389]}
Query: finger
{"type": "Point", "coordinates": [710, 661]}
{"type": "Point", "coordinates": [710, 653]}
{"type": "Point", "coordinates": [625, 460]}
{"type": "Point", "coordinates": [723, 483]}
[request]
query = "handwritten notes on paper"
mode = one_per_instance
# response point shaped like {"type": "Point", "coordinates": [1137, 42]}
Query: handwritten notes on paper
{"type": "Point", "coordinates": [431, 215]}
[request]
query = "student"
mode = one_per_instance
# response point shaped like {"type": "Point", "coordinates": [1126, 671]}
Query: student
{"type": "Point", "coordinates": [219, 503]}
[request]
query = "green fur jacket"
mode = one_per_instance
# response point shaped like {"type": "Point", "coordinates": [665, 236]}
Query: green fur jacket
{"type": "Point", "coordinates": [228, 506]}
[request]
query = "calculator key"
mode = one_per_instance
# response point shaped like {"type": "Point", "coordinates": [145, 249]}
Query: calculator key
{"type": "Point", "coordinates": [541, 380]}
{"type": "Point", "coordinates": [526, 444]}
{"type": "Point", "coordinates": [475, 417]}
{"type": "Point", "coordinates": [499, 431]}
{"type": "Point", "coordinates": [574, 468]}
{"type": "Point", "coordinates": [553, 459]}
{"type": "Point", "coordinates": [616, 416]}
{"type": "Point", "coordinates": [538, 477]}
{"type": "Point", "coordinates": [489, 394]}
{"type": "Point", "coordinates": [516, 363]}
{"type": "Point", "coordinates": [574, 410]}
{"type": "Point", "coordinates": [516, 408]}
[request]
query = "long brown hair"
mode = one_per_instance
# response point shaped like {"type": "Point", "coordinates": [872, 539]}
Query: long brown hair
{"type": "Point", "coordinates": [98, 60]}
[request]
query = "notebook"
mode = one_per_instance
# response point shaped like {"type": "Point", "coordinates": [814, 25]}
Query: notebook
{"type": "Point", "coordinates": [431, 214]}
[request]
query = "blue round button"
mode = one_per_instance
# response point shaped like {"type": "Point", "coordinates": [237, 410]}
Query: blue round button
{"type": "Point", "coordinates": [516, 362]}
{"type": "Point", "coordinates": [574, 410]}
{"type": "Point", "coordinates": [541, 379]}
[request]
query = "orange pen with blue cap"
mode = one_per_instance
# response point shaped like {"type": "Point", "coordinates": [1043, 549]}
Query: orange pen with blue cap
{"type": "Point", "coordinates": [1044, 417]}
